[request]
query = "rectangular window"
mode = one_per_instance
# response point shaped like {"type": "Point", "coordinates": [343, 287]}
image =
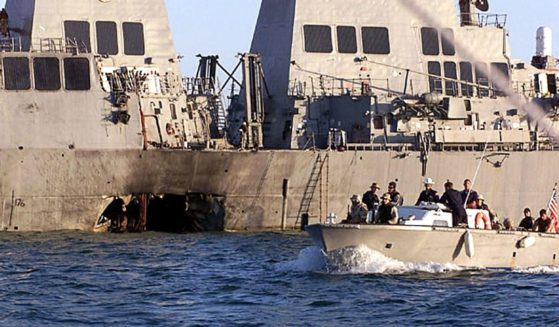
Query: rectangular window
{"type": "Point", "coordinates": [134, 43]}
{"type": "Point", "coordinates": [347, 39]}
{"type": "Point", "coordinates": [318, 38]}
{"type": "Point", "coordinates": [502, 69]}
{"type": "Point", "coordinates": [451, 87]}
{"type": "Point", "coordinates": [16, 73]}
{"type": "Point", "coordinates": [77, 74]}
{"type": "Point", "coordinates": [435, 84]}
{"type": "Point", "coordinates": [107, 40]}
{"type": "Point", "coordinates": [430, 41]}
{"type": "Point", "coordinates": [482, 79]}
{"type": "Point", "coordinates": [376, 40]}
{"type": "Point", "coordinates": [447, 39]}
{"type": "Point", "coordinates": [466, 75]}
{"type": "Point", "coordinates": [78, 33]}
{"type": "Point", "coordinates": [47, 74]}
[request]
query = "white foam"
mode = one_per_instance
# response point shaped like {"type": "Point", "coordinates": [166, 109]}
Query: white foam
{"type": "Point", "coordinates": [537, 270]}
{"type": "Point", "coordinates": [309, 259]}
{"type": "Point", "coordinates": [360, 260]}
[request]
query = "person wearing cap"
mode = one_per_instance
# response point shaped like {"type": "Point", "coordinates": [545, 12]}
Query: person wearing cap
{"type": "Point", "coordinates": [453, 200]}
{"type": "Point", "coordinates": [370, 198]}
{"type": "Point", "coordinates": [482, 205]}
{"type": "Point", "coordinates": [527, 222]}
{"type": "Point", "coordinates": [358, 212]}
{"type": "Point", "coordinates": [387, 213]}
{"type": "Point", "coordinates": [469, 196]}
{"type": "Point", "coordinates": [395, 196]}
{"type": "Point", "coordinates": [428, 195]}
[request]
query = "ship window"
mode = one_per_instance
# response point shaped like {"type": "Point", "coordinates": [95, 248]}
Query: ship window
{"type": "Point", "coordinates": [435, 84]}
{"type": "Point", "coordinates": [447, 39]}
{"type": "Point", "coordinates": [375, 40]}
{"type": "Point", "coordinates": [347, 39]}
{"type": "Point", "coordinates": [318, 38]}
{"type": "Point", "coordinates": [47, 74]}
{"type": "Point", "coordinates": [430, 41]}
{"type": "Point", "coordinates": [107, 41]}
{"type": "Point", "coordinates": [503, 69]}
{"type": "Point", "coordinates": [16, 73]}
{"type": "Point", "coordinates": [78, 33]}
{"type": "Point", "coordinates": [482, 79]}
{"type": "Point", "coordinates": [134, 43]}
{"type": "Point", "coordinates": [451, 87]}
{"type": "Point", "coordinates": [76, 74]}
{"type": "Point", "coordinates": [466, 75]}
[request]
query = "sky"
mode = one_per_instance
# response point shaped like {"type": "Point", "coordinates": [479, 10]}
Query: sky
{"type": "Point", "coordinates": [225, 27]}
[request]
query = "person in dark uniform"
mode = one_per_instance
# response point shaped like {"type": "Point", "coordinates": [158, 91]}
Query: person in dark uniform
{"type": "Point", "coordinates": [371, 199]}
{"type": "Point", "coordinates": [395, 196]}
{"type": "Point", "coordinates": [543, 223]}
{"type": "Point", "coordinates": [387, 213]}
{"type": "Point", "coordinates": [453, 200]}
{"type": "Point", "coordinates": [428, 195]}
{"type": "Point", "coordinates": [527, 222]}
{"type": "Point", "coordinates": [469, 196]}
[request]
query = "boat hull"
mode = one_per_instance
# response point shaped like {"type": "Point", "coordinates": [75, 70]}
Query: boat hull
{"type": "Point", "coordinates": [462, 247]}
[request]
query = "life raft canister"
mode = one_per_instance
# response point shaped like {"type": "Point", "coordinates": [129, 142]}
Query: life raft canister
{"type": "Point", "coordinates": [483, 217]}
{"type": "Point", "coordinates": [169, 129]}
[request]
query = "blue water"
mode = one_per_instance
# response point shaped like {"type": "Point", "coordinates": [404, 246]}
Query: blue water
{"type": "Point", "coordinates": [273, 279]}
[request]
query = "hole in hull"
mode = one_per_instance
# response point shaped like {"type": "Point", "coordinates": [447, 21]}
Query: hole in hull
{"type": "Point", "coordinates": [168, 213]}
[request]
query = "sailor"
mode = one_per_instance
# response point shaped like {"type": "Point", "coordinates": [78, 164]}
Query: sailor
{"type": "Point", "coordinates": [358, 212]}
{"type": "Point", "coordinates": [481, 205]}
{"type": "Point", "coordinates": [453, 200]}
{"type": "Point", "coordinates": [395, 196]}
{"type": "Point", "coordinates": [469, 196]}
{"type": "Point", "coordinates": [428, 195]}
{"type": "Point", "coordinates": [4, 23]}
{"type": "Point", "coordinates": [387, 213]}
{"type": "Point", "coordinates": [527, 222]}
{"type": "Point", "coordinates": [243, 133]}
{"type": "Point", "coordinates": [370, 198]}
{"type": "Point", "coordinates": [543, 223]}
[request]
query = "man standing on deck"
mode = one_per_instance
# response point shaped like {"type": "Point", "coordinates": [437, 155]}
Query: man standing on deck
{"type": "Point", "coordinates": [469, 196]}
{"type": "Point", "coordinates": [370, 198]}
{"type": "Point", "coordinates": [428, 195]}
{"type": "Point", "coordinates": [453, 200]}
{"type": "Point", "coordinates": [528, 222]}
{"type": "Point", "coordinates": [543, 223]}
{"type": "Point", "coordinates": [395, 196]}
{"type": "Point", "coordinates": [387, 212]}
{"type": "Point", "coordinates": [358, 212]}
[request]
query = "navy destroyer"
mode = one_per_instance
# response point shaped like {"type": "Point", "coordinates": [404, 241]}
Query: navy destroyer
{"type": "Point", "coordinates": [97, 121]}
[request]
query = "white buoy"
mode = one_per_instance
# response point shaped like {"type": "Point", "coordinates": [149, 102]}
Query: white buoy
{"type": "Point", "coordinates": [469, 244]}
{"type": "Point", "coordinates": [527, 242]}
{"type": "Point", "coordinates": [544, 42]}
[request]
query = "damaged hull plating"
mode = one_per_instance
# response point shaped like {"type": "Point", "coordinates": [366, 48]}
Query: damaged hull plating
{"type": "Point", "coordinates": [255, 190]}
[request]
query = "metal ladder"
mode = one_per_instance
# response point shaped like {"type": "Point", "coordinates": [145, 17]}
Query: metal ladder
{"type": "Point", "coordinates": [310, 189]}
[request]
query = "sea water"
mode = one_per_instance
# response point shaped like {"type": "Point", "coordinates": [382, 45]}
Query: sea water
{"type": "Point", "coordinates": [237, 279]}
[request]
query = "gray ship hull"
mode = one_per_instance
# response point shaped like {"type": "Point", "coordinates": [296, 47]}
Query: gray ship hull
{"type": "Point", "coordinates": [44, 190]}
{"type": "Point", "coordinates": [488, 249]}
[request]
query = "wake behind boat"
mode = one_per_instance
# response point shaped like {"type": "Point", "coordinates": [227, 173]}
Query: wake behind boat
{"type": "Point", "coordinates": [422, 237]}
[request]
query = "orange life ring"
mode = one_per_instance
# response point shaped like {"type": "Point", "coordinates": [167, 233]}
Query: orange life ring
{"type": "Point", "coordinates": [169, 128]}
{"type": "Point", "coordinates": [486, 221]}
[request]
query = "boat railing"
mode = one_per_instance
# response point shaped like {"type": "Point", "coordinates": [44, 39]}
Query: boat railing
{"type": "Point", "coordinates": [10, 44]}
{"type": "Point", "coordinates": [59, 45]}
{"type": "Point", "coordinates": [483, 20]}
{"type": "Point", "coordinates": [335, 86]}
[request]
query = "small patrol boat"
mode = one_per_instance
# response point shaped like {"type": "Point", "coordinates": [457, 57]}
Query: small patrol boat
{"type": "Point", "coordinates": [425, 235]}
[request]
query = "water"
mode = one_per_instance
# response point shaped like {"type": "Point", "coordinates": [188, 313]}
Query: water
{"type": "Point", "coordinates": [273, 279]}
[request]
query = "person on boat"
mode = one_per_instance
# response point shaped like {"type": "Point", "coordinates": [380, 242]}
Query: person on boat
{"type": "Point", "coordinates": [508, 224]}
{"type": "Point", "coordinates": [387, 213]}
{"type": "Point", "coordinates": [358, 212]}
{"type": "Point", "coordinates": [480, 204]}
{"type": "Point", "coordinates": [395, 196]}
{"type": "Point", "coordinates": [543, 223]}
{"type": "Point", "coordinates": [371, 199]}
{"type": "Point", "coordinates": [428, 195]}
{"type": "Point", "coordinates": [453, 200]}
{"type": "Point", "coordinates": [469, 196]}
{"type": "Point", "coordinates": [527, 222]}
